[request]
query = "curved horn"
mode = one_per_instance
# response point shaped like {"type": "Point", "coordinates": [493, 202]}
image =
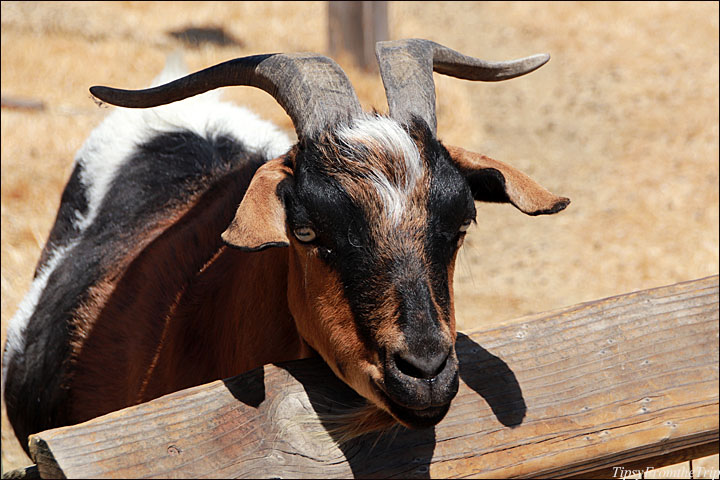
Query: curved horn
{"type": "Point", "coordinates": [406, 68]}
{"type": "Point", "coordinates": [313, 89]}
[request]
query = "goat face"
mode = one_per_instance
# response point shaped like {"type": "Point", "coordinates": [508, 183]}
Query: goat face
{"type": "Point", "coordinates": [374, 238]}
{"type": "Point", "coordinates": [373, 215]}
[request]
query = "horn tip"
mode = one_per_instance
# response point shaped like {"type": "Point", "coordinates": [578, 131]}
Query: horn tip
{"type": "Point", "coordinates": [99, 92]}
{"type": "Point", "coordinates": [113, 96]}
{"type": "Point", "coordinates": [97, 95]}
{"type": "Point", "coordinates": [533, 62]}
{"type": "Point", "coordinates": [540, 59]}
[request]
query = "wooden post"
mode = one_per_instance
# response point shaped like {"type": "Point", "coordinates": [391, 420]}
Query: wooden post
{"type": "Point", "coordinates": [625, 381]}
{"type": "Point", "coordinates": [354, 28]}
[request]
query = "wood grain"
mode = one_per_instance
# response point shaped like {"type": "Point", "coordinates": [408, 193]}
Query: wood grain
{"type": "Point", "coordinates": [616, 382]}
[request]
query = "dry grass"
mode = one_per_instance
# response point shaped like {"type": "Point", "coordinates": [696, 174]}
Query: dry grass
{"type": "Point", "coordinates": [624, 120]}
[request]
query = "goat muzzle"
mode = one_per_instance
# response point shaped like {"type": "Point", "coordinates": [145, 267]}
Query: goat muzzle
{"type": "Point", "coordinates": [419, 389]}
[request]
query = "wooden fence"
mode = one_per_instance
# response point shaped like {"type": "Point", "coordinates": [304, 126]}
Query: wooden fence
{"type": "Point", "coordinates": [624, 382]}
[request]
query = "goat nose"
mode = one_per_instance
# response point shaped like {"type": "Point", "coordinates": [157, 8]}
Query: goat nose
{"type": "Point", "coordinates": [425, 367]}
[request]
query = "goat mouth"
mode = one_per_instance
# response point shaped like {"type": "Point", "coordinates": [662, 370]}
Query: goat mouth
{"type": "Point", "coordinates": [414, 418]}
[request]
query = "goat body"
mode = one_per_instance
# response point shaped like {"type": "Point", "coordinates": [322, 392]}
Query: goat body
{"type": "Point", "coordinates": [194, 241]}
{"type": "Point", "coordinates": [137, 236]}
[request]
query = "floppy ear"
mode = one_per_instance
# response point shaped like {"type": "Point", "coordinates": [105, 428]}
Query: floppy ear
{"type": "Point", "coordinates": [493, 181]}
{"type": "Point", "coordinates": [259, 222]}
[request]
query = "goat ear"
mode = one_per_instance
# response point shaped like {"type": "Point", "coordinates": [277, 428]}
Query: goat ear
{"type": "Point", "coordinates": [494, 181]}
{"type": "Point", "coordinates": [259, 222]}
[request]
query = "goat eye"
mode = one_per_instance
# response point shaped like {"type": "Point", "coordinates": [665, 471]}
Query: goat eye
{"type": "Point", "coordinates": [305, 234]}
{"type": "Point", "coordinates": [464, 227]}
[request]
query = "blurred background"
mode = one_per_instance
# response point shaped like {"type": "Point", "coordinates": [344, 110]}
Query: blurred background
{"type": "Point", "coordinates": [623, 120]}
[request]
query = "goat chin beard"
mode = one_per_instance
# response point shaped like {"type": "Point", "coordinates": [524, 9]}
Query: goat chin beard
{"type": "Point", "coordinates": [358, 421]}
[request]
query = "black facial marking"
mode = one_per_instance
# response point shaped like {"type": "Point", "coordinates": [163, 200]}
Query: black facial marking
{"type": "Point", "coordinates": [450, 204]}
{"type": "Point", "coordinates": [368, 275]}
{"type": "Point", "coordinates": [343, 235]}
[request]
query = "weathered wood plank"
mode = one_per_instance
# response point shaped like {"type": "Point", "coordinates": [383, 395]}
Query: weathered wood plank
{"type": "Point", "coordinates": [607, 383]}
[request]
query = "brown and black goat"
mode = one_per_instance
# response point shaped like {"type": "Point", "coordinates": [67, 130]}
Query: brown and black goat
{"type": "Point", "coordinates": [153, 279]}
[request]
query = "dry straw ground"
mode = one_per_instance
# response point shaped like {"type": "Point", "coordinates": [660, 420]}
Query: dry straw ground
{"type": "Point", "coordinates": [624, 120]}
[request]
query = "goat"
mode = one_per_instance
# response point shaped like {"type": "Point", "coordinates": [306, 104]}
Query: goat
{"type": "Point", "coordinates": [195, 241]}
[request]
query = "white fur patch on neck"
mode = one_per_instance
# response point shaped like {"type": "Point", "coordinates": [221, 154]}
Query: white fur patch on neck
{"type": "Point", "coordinates": [387, 135]}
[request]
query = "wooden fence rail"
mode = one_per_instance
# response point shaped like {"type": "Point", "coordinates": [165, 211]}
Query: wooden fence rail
{"type": "Point", "coordinates": [618, 382]}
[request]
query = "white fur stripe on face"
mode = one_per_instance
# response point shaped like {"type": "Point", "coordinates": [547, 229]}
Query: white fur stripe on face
{"type": "Point", "coordinates": [384, 134]}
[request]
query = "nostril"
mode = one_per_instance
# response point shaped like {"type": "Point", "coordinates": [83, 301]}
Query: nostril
{"type": "Point", "coordinates": [426, 368]}
{"type": "Point", "coordinates": [408, 368]}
